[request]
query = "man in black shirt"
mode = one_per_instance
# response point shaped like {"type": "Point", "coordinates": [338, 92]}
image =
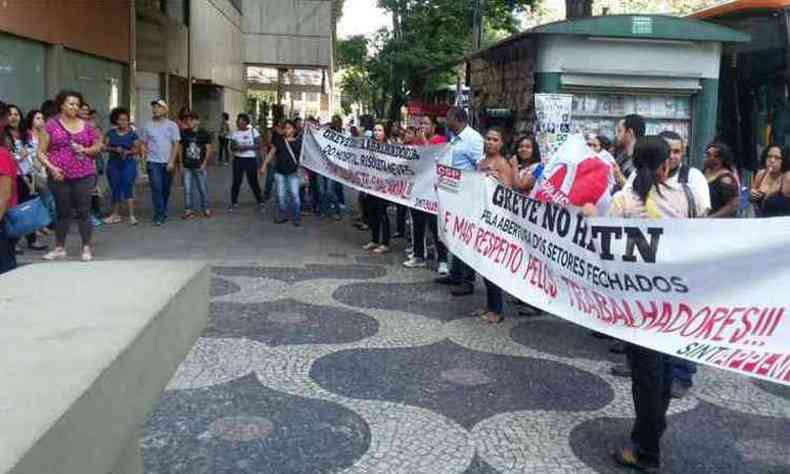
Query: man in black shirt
{"type": "Point", "coordinates": [195, 150]}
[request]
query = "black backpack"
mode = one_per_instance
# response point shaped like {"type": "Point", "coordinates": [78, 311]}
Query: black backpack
{"type": "Point", "coordinates": [683, 179]}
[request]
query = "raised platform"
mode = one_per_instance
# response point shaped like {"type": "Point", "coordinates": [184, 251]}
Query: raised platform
{"type": "Point", "coordinates": [85, 351]}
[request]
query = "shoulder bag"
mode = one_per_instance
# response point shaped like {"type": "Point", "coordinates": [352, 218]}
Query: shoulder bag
{"type": "Point", "coordinates": [26, 218]}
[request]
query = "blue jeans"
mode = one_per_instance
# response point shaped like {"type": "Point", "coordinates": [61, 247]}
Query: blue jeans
{"type": "Point", "coordinates": [121, 173]}
{"type": "Point", "coordinates": [683, 371]}
{"type": "Point", "coordinates": [288, 187]}
{"type": "Point", "coordinates": [196, 180]}
{"type": "Point", "coordinates": [160, 181]}
{"type": "Point", "coordinates": [495, 301]}
{"type": "Point", "coordinates": [460, 271]}
{"type": "Point", "coordinates": [329, 202]}
{"type": "Point", "coordinates": [338, 189]}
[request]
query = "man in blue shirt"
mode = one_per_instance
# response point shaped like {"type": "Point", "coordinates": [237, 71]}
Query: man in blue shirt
{"type": "Point", "coordinates": [467, 151]}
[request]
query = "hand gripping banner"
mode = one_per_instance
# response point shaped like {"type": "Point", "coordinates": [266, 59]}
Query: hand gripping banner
{"type": "Point", "coordinates": [401, 174]}
{"type": "Point", "coordinates": [707, 290]}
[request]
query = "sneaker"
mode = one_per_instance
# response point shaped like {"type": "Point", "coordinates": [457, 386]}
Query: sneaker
{"type": "Point", "coordinates": [57, 254]}
{"type": "Point", "coordinates": [189, 215]}
{"type": "Point", "coordinates": [231, 208]}
{"type": "Point", "coordinates": [207, 213]}
{"type": "Point", "coordinates": [87, 256]}
{"type": "Point", "coordinates": [158, 222]}
{"type": "Point", "coordinates": [415, 262]}
{"type": "Point", "coordinates": [381, 250]}
{"type": "Point", "coordinates": [96, 222]}
{"type": "Point", "coordinates": [370, 246]}
{"type": "Point", "coordinates": [443, 268]}
{"type": "Point", "coordinates": [133, 220]}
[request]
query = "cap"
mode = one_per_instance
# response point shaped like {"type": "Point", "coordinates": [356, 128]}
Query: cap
{"type": "Point", "coordinates": [160, 102]}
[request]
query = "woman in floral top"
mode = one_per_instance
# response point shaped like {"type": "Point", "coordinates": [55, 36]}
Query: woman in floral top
{"type": "Point", "coordinates": [72, 145]}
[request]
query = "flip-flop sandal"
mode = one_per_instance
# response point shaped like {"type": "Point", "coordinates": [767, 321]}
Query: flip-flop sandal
{"type": "Point", "coordinates": [492, 318]}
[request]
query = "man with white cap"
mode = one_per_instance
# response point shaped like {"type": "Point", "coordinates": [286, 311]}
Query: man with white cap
{"type": "Point", "coordinates": [160, 138]}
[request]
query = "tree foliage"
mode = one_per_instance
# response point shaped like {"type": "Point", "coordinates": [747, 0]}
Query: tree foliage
{"type": "Point", "coordinates": [417, 53]}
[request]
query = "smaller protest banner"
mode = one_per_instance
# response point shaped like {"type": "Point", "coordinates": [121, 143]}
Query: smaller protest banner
{"type": "Point", "coordinates": [576, 177]}
{"type": "Point", "coordinates": [553, 122]}
{"type": "Point", "coordinates": [401, 174]}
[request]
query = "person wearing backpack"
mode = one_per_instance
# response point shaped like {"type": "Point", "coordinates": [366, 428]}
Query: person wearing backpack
{"type": "Point", "coordinates": [285, 152]}
{"type": "Point", "coordinates": [697, 195]}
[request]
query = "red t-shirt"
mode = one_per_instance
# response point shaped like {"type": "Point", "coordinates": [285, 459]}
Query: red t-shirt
{"type": "Point", "coordinates": [437, 140]}
{"type": "Point", "coordinates": [8, 168]}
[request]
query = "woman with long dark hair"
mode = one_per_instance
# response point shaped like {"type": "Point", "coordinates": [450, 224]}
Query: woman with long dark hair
{"type": "Point", "coordinates": [768, 180]}
{"type": "Point", "coordinates": [72, 145]}
{"type": "Point", "coordinates": [494, 165]}
{"type": "Point", "coordinates": [648, 196]}
{"type": "Point", "coordinates": [36, 123]}
{"type": "Point", "coordinates": [722, 180]}
{"type": "Point", "coordinates": [8, 196]}
{"type": "Point", "coordinates": [526, 163]}
{"type": "Point", "coordinates": [24, 155]}
{"type": "Point", "coordinates": [379, 221]}
{"type": "Point", "coordinates": [285, 152]}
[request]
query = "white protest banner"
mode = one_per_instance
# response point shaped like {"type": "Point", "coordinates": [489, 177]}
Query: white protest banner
{"type": "Point", "coordinates": [707, 290]}
{"type": "Point", "coordinates": [401, 174]}
{"type": "Point", "coordinates": [553, 122]}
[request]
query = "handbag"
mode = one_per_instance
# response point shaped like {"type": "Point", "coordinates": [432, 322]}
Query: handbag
{"type": "Point", "coordinates": [26, 218]}
{"type": "Point", "coordinates": [300, 171]}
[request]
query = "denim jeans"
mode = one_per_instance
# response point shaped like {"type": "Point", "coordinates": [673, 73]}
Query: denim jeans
{"type": "Point", "coordinates": [495, 302]}
{"type": "Point", "coordinates": [288, 190]}
{"type": "Point", "coordinates": [460, 271]}
{"type": "Point", "coordinates": [651, 380]}
{"type": "Point", "coordinates": [329, 202]}
{"type": "Point", "coordinates": [338, 189]}
{"type": "Point", "coordinates": [196, 180]}
{"type": "Point", "coordinates": [160, 181]}
{"type": "Point", "coordinates": [683, 371]}
{"type": "Point", "coordinates": [269, 184]}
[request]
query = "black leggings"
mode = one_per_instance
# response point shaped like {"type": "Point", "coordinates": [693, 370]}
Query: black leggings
{"type": "Point", "coordinates": [379, 221]}
{"type": "Point", "coordinates": [73, 201]}
{"type": "Point", "coordinates": [24, 196]}
{"type": "Point", "coordinates": [242, 166]}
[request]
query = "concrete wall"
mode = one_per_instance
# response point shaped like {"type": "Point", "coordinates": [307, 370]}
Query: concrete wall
{"type": "Point", "coordinates": [288, 32]}
{"type": "Point", "coordinates": [79, 380]}
{"type": "Point", "coordinates": [22, 71]}
{"type": "Point", "coordinates": [162, 46]}
{"type": "Point", "coordinates": [98, 28]}
{"type": "Point", "coordinates": [216, 43]}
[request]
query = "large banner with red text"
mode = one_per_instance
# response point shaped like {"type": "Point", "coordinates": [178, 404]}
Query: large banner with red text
{"type": "Point", "coordinates": [707, 290]}
{"type": "Point", "coordinates": [402, 174]}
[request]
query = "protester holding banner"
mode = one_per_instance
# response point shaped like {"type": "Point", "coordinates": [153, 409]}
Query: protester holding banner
{"type": "Point", "coordinates": [494, 165]}
{"type": "Point", "coordinates": [526, 164]}
{"type": "Point", "coordinates": [467, 151]}
{"type": "Point", "coordinates": [379, 221]}
{"type": "Point", "coordinates": [649, 196]}
{"type": "Point", "coordinates": [421, 221]}
{"type": "Point", "coordinates": [285, 152]}
{"type": "Point", "coordinates": [720, 173]}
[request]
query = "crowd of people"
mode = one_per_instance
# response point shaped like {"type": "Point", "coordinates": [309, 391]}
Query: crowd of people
{"type": "Point", "coordinates": [56, 153]}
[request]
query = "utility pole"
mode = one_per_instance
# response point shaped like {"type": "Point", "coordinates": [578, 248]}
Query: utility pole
{"type": "Point", "coordinates": [477, 23]}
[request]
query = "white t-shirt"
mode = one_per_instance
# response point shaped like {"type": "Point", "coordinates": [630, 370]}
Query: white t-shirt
{"type": "Point", "coordinates": [698, 185]}
{"type": "Point", "coordinates": [245, 138]}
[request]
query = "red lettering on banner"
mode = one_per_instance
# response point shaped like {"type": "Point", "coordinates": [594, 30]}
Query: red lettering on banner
{"type": "Point", "coordinates": [647, 315]}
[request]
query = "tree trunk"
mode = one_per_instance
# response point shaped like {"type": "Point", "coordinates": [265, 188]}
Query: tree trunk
{"type": "Point", "coordinates": [578, 9]}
